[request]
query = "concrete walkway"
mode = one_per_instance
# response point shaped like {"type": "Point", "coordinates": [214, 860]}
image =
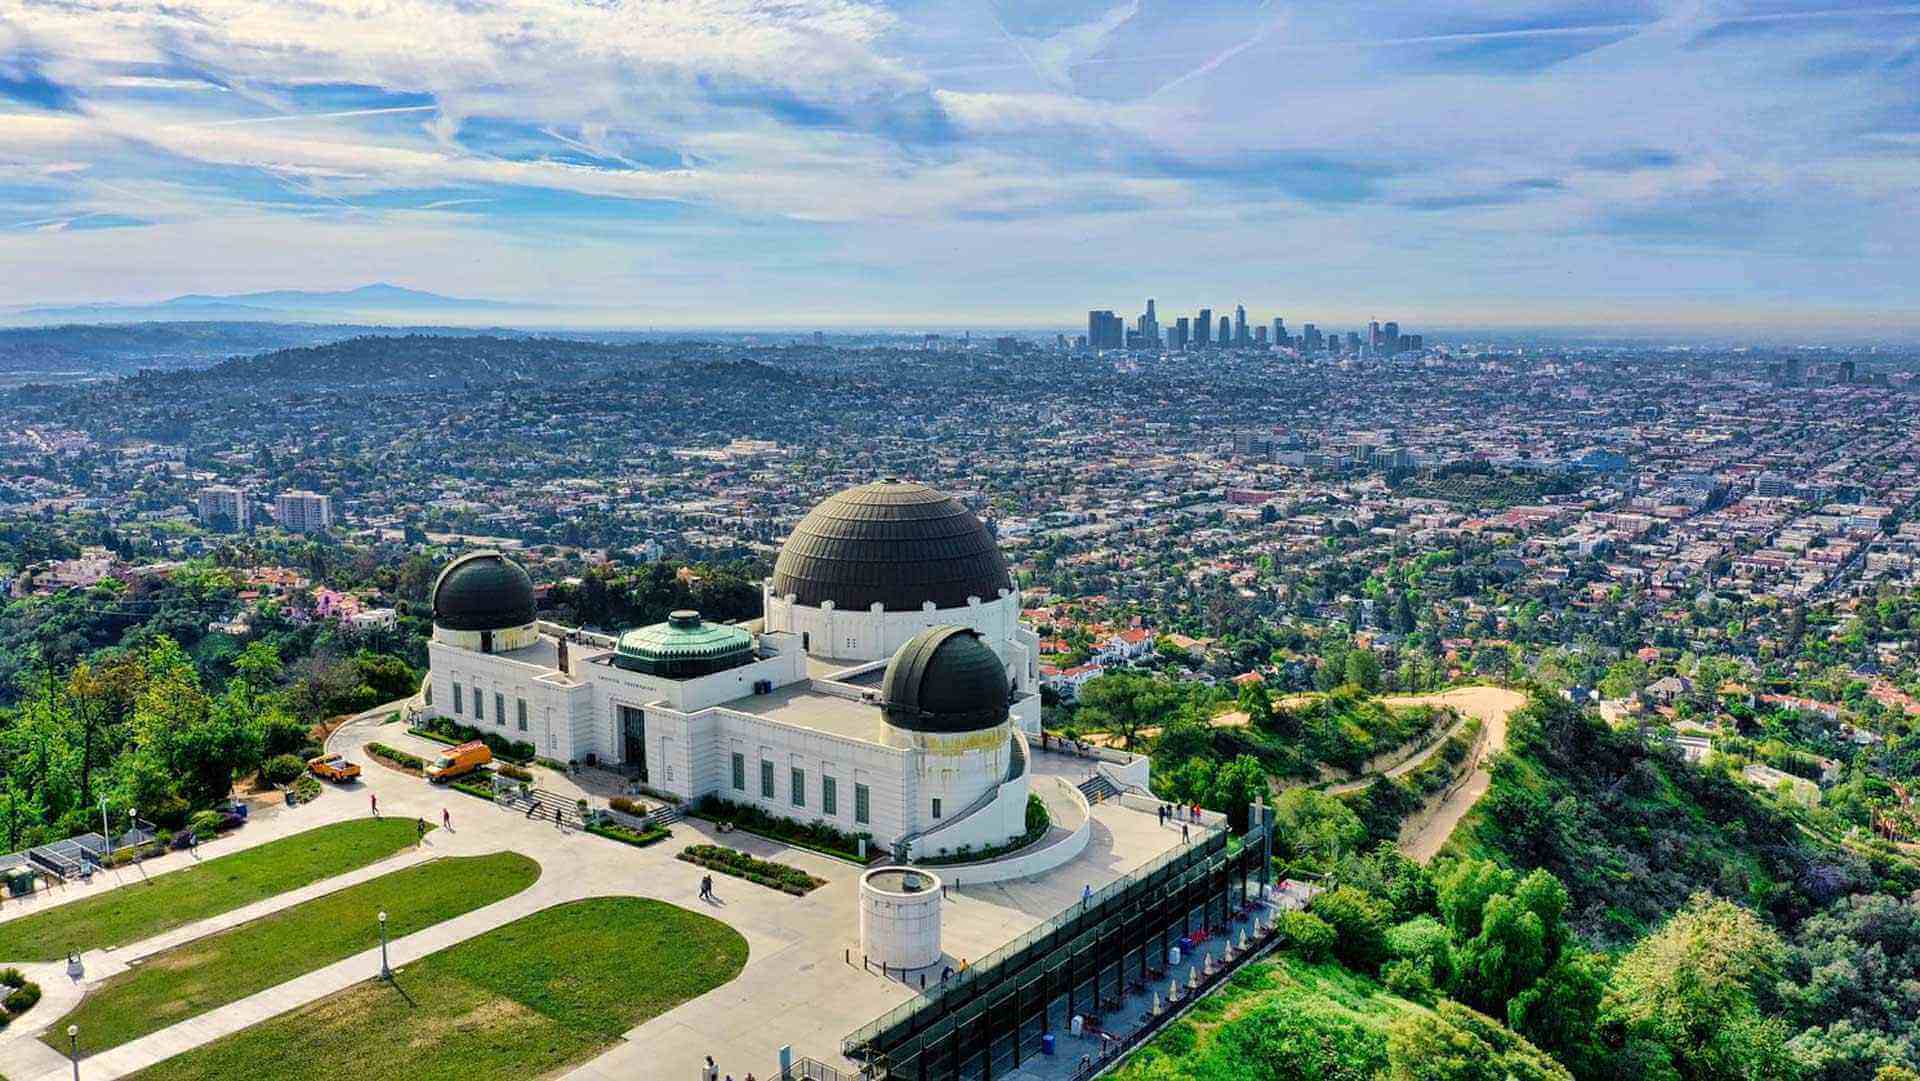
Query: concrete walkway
{"type": "Point", "coordinates": [803, 984]}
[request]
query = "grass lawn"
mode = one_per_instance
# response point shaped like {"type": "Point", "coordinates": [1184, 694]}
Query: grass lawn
{"type": "Point", "coordinates": [141, 909]}
{"type": "Point", "coordinates": [523, 1000]}
{"type": "Point", "coordinates": [207, 973]}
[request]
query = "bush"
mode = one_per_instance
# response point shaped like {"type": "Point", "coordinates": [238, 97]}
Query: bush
{"type": "Point", "coordinates": [508, 769]}
{"type": "Point", "coordinates": [1360, 926]}
{"type": "Point", "coordinates": [448, 730]}
{"type": "Point", "coordinates": [396, 758]}
{"type": "Point", "coordinates": [21, 999]}
{"type": "Point", "coordinates": [733, 862]}
{"type": "Point", "coordinates": [307, 788]}
{"type": "Point", "coordinates": [628, 806]}
{"type": "Point", "coordinates": [636, 838]}
{"type": "Point", "coordinates": [282, 769]}
{"type": "Point", "coordinates": [1310, 936]}
{"type": "Point", "coordinates": [817, 835]}
{"type": "Point", "coordinates": [204, 823]}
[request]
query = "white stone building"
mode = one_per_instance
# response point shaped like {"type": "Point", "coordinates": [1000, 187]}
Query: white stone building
{"type": "Point", "coordinates": [889, 689]}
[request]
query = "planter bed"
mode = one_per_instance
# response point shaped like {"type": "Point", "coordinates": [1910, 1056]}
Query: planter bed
{"type": "Point", "coordinates": [730, 861]}
{"type": "Point", "coordinates": [630, 836]}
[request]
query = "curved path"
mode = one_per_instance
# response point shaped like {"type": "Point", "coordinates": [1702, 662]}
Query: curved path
{"type": "Point", "coordinates": [1492, 705]}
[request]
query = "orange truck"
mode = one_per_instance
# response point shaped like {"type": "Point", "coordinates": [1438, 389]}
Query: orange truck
{"type": "Point", "coordinates": [459, 761]}
{"type": "Point", "coordinates": [335, 768]}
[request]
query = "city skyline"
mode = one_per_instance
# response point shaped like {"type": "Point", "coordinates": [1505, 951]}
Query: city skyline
{"type": "Point", "coordinates": [837, 162]}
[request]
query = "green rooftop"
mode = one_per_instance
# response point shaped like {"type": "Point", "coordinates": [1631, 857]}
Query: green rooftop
{"type": "Point", "coordinates": [683, 647]}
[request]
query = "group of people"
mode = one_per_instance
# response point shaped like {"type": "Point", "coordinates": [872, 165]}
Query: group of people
{"type": "Point", "coordinates": [711, 1072]}
{"type": "Point", "coordinates": [1181, 813]}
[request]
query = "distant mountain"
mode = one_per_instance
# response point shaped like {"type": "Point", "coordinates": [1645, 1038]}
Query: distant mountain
{"type": "Point", "coordinates": [279, 305]}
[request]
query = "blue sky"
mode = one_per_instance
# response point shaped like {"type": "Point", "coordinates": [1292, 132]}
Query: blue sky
{"type": "Point", "coordinates": [977, 162]}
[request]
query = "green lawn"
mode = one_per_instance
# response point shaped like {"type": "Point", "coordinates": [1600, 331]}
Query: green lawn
{"type": "Point", "coordinates": [524, 1000]}
{"type": "Point", "coordinates": [144, 908]}
{"type": "Point", "coordinates": [207, 973]}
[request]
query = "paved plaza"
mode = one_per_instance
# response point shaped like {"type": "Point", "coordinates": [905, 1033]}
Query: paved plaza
{"type": "Point", "coordinates": [803, 986]}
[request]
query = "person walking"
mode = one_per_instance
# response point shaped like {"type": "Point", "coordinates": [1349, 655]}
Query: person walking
{"type": "Point", "coordinates": [373, 800]}
{"type": "Point", "coordinates": [532, 806]}
{"type": "Point", "coordinates": [556, 819]}
{"type": "Point", "coordinates": [446, 819]}
{"type": "Point", "coordinates": [1183, 833]}
{"type": "Point", "coordinates": [712, 1072]}
{"type": "Point", "coordinates": [706, 887]}
{"type": "Point", "coordinates": [420, 831]}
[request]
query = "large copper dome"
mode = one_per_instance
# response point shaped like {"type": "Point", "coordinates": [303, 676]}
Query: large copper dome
{"type": "Point", "coordinates": [896, 543]}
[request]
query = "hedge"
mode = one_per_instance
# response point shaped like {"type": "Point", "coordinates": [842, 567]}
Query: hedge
{"type": "Point", "coordinates": [446, 730]}
{"type": "Point", "coordinates": [729, 861]}
{"type": "Point", "coordinates": [400, 760]}
{"type": "Point", "coordinates": [815, 835]}
{"type": "Point", "coordinates": [636, 838]}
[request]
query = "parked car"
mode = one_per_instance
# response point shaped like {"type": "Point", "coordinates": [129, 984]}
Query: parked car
{"type": "Point", "coordinates": [459, 761]}
{"type": "Point", "coordinates": [335, 768]}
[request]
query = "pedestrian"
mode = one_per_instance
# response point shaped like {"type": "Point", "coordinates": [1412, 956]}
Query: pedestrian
{"type": "Point", "coordinates": [1086, 894]}
{"type": "Point", "coordinates": [706, 887]}
{"type": "Point", "coordinates": [446, 819]}
{"type": "Point", "coordinates": [1183, 833]}
{"type": "Point", "coordinates": [1161, 811]}
{"type": "Point", "coordinates": [420, 830]}
{"type": "Point", "coordinates": [373, 799]}
{"type": "Point", "coordinates": [556, 817]}
{"type": "Point", "coordinates": [532, 806]}
{"type": "Point", "coordinates": [712, 1072]}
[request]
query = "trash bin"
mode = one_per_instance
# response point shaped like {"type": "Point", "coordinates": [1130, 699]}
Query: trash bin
{"type": "Point", "coordinates": [1078, 1025]}
{"type": "Point", "coordinates": [1046, 1043]}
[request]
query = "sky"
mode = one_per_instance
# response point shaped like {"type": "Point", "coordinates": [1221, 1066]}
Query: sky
{"type": "Point", "coordinates": [977, 162]}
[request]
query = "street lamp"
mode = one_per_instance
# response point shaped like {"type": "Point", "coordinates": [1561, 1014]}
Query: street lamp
{"type": "Point", "coordinates": [385, 972]}
{"type": "Point", "coordinates": [73, 1052]}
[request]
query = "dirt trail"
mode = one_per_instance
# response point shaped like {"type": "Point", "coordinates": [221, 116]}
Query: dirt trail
{"type": "Point", "coordinates": [1492, 705]}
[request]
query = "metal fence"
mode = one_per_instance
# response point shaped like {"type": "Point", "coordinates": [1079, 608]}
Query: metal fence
{"type": "Point", "coordinates": [984, 1022]}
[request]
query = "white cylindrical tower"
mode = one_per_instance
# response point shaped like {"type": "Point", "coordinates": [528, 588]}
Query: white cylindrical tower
{"type": "Point", "coordinates": [900, 917]}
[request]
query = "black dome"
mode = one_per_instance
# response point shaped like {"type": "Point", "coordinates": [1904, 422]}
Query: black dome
{"type": "Point", "coordinates": [900, 544]}
{"type": "Point", "coordinates": [945, 679]}
{"type": "Point", "coordinates": [482, 591]}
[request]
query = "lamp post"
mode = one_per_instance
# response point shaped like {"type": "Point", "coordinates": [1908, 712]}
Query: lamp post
{"type": "Point", "coordinates": [73, 1049]}
{"type": "Point", "coordinates": [385, 972]}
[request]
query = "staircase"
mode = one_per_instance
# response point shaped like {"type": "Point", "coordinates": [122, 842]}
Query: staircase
{"type": "Point", "coordinates": [541, 804]}
{"type": "Point", "coordinates": [664, 815]}
{"type": "Point", "coordinates": [1098, 788]}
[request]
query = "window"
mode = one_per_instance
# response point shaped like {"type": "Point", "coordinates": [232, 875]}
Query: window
{"type": "Point", "coordinates": [739, 772]}
{"type": "Point", "coordinates": [799, 788]}
{"type": "Point", "coordinates": [458, 705]}
{"type": "Point", "coordinates": [766, 779]}
{"type": "Point", "coordinates": [860, 804]}
{"type": "Point", "coordinates": [523, 714]}
{"type": "Point", "coordinates": [479, 705]}
{"type": "Point", "coordinates": [936, 806]}
{"type": "Point", "coordinates": [829, 798]}
{"type": "Point", "coordinates": [499, 709]}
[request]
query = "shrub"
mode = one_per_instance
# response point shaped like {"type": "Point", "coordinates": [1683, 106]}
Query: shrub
{"type": "Point", "coordinates": [767, 873]}
{"type": "Point", "coordinates": [628, 806]}
{"type": "Point", "coordinates": [1310, 936]}
{"type": "Point", "coordinates": [204, 823]}
{"type": "Point", "coordinates": [636, 838]}
{"type": "Point", "coordinates": [282, 769]}
{"type": "Point", "coordinates": [396, 758]}
{"type": "Point", "coordinates": [805, 834]}
{"type": "Point", "coordinates": [21, 999]}
{"type": "Point", "coordinates": [508, 769]}
{"type": "Point", "coordinates": [1360, 926]}
{"type": "Point", "coordinates": [307, 788]}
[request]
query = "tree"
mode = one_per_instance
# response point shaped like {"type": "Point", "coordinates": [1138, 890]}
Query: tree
{"type": "Point", "coordinates": [1359, 922]}
{"type": "Point", "coordinates": [1454, 1043]}
{"type": "Point", "coordinates": [1124, 703]}
{"type": "Point", "coordinates": [1624, 678]}
{"type": "Point", "coordinates": [1363, 669]}
{"type": "Point", "coordinates": [1313, 823]}
{"type": "Point", "coordinates": [1691, 991]}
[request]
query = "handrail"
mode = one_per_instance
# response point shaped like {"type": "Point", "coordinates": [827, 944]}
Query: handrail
{"type": "Point", "coordinates": [1016, 764]}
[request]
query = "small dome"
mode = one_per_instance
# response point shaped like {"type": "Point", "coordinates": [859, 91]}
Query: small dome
{"type": "Point", "coordinates": [482, 591]}
{"type": "Point", "coordinates": [894, 543]}
{"type": "Point", "coordinates": [683, 647]}
{"type": "Point", "coordinates": [946, 679]}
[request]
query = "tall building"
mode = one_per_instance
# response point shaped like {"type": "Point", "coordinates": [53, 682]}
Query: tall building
{"type": "Point", "coordinates": [225, 504]}
{"type": "Point", "coordinates": [1203, 327]}
{"type": "Point", "coordinates": [1310, 339]}
{"type": "Point", "coordinates": [1240, 324]}
{"type": "Point", "coordinates": [1373, 336]}
{"type": "Point", "coordinates": [1353, 343]}
{"type": "Point", "coordinates": [303, 512]}
{"type": "Point", "coordinates": [1280, 332]}
{"type": "Point", "coordinates": [1182, 332]}
{"type": "Point", "coordinates": [1390, 338]}
{"type": "Point", "coordinates": [1105, 330]}
{"type": "Point", "coordinates": [1260, 337]}
{"type": "Point", "coordinates": [1226, 331]}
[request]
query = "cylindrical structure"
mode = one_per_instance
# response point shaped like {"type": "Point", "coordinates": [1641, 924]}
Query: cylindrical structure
{"type": "Point", "coordinates": [900, 917]}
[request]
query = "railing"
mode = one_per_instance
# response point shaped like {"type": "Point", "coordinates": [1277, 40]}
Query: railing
{"type": "Point", "coordinates": [1017, 762]}
{"type": "Point", "coordinates": [806, 1069]}
{"type": "Point", "coordinates": [1214, 840]}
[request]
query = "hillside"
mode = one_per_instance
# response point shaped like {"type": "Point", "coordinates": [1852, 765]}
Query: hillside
{"type": "Point", "coordinates": [1287, 1018]}
{"type": "Point", "coordinates": [1633, 831]}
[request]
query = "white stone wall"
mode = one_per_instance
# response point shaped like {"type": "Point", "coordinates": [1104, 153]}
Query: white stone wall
{"type": "Point", "coordinates": [553, 708]}
{"type": "Point", "coordinates": [875, 634]}
{"type": "Point", "coordinates": [898, 929]}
